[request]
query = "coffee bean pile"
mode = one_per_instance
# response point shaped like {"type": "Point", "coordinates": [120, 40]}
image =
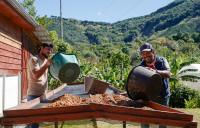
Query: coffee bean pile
{"type": "Point", "coordinates": [110, 99]}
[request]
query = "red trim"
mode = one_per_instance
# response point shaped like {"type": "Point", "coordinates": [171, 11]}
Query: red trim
{"type": "Point", "coordinates": [9, 72]}
{"type": "Point", "coordinates": [7, 10]}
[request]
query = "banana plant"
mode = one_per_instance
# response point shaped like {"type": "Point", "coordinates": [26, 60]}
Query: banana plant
{"type": "Point", "coordinates": [86, 70]}
{"type": "Point", "coordinates": [177, 74]}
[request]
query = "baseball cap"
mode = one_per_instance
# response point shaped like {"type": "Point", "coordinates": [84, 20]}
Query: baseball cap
{"type": "Point", "coordinates": [47, 44]}
{"type": "Point", "coordinates": [146, 47]}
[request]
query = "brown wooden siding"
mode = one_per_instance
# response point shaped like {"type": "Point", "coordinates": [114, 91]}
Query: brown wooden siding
{"type": "Point", "coordinates": [34, 43]}
{"type": "Point", "coordinates": [10, 59]}
{"type": "Point", "coordinates": [9, 54]}
{"type": "Point", "coordinates": [9, 28]}
{"type": "Point", "coordinates": [10, 47]}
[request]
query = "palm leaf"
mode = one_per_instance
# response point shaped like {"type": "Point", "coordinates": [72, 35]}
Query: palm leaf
{"type": "Point", "coordinates": [188, 70]}
{"type": "Point", "coordinates": [89, 69]}
{"type": "Point", "coordinates": [173, 79]}
{"type": "Point", "coordinates": [190, 78]}
{"type": "Point", "coordinates": [187, 63]}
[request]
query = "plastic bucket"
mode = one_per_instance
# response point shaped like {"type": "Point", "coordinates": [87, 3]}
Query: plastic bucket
{"type": "Point", "coordinates": [143, 84]}
{"type": "Point", "coordinates": [64, 67]}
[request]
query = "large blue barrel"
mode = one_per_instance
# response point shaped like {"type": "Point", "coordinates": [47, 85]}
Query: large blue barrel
{"type": "Point", "coordinates": [64, 67]}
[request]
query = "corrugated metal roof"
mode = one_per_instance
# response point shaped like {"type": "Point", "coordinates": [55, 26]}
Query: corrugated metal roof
{"type": "Point", "coordinates": [41, 34]}
{"type": "Point", "coordinates": [197, 66]}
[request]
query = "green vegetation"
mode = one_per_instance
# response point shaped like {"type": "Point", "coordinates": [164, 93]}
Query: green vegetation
{"type": "Point", "coordinates": [166, 21]}
{"type": "Point", "coordinates": [183, 97]}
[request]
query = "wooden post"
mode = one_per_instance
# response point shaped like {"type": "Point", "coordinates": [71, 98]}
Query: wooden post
{"type": "Point", "coordinates": [56, 124]}
{"type": "Point", "coordinates": [3, 92]}
{"type": "Point", "coordinates": [94, 123]}
{"type": "Point", "coordinates": [8, 126]}
{"type": "Point", "coordinates": [19, 89]}
{"type": "Point", "coordinates": [124, 124]}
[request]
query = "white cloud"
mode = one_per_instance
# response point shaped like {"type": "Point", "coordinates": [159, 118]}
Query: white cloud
{"type": "Point", "coordinates": [99, 14]}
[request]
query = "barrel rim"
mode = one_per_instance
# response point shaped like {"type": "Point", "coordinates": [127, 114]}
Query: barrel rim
{"type": "Point", "coordinates": [71, 79]}
{"type": "Point", "coordinates": [128, 79]}
{"type": "Point", "coordinates": [54, 57]}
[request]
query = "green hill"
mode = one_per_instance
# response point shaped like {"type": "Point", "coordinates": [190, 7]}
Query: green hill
{"type": "Point", "coordinates": [166, 21]}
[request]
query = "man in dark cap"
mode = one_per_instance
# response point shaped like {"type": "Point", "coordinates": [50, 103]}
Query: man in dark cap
{"type": "Point", "coordinates": [158, 65]}
{"type": "Point", "coordinates": [38, 73]}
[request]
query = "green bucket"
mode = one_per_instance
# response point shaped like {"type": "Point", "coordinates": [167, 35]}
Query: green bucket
{"type": "Point", "coordinates": [64, 67]}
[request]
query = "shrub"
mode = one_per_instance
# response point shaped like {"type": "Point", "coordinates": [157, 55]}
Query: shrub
{"type": "Point", "coordinates": [192, 103]}
{"type": "Point", "coordinates": [180, 94]}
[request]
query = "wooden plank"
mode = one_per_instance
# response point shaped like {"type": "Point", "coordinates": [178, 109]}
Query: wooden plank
{"type": "Point", "coordinates": [147, 120]}
{"type": "Point", "coordinates": [159, 106]}
{"type": "Point", "coordinates": [9, 54]}
{"type": "Point", "coordinates": [118, 90]}
{"type": "Point", "coordinates": [75, 83]}
{"type": "Point", "coordinates": [49, 118]}
{"type": "Point", "coordinates": [9, 126]}
{"type": "Point", "coordinates": [10, 66]}
{"type": "Point", "coordinates": [47, 111]}
{"type": "Point", "coordinates": [10, 60]}
{"type": "Point", "coordinates": [25, 59]}
{"type": "Point", "coordinates": [10, 48]}
{"type": "Point", "coordinates": [91, 115]}
{"type": "Point", "coordinates": [141, 112]}
{"type": "Point", "coordinates": [13, 33]}
{"type": "Point", "coordinates": [9, 72]}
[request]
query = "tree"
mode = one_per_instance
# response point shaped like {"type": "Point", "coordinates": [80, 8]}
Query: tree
{"type": "Point", "coordinates": [28, 6]}
{"type": "Point", "coordinates": [119, 59]}
{"type": "Point", "coordinates": [59, 44]}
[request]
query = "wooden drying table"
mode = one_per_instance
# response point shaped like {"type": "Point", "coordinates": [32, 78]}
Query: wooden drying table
{"type": "Point", "coordinates": [31, 112]}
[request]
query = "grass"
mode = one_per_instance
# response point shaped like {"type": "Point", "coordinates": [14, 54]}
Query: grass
{"type": "Point", "coordinates": [104, 123]}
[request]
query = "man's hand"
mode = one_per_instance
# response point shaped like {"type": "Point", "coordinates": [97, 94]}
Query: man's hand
{"type": "Point", "coordinates": [151, 69]}
{"type": "Point", "coordinates": [49, 62]}
{"type": "Point", "coordinates": [38, 73]}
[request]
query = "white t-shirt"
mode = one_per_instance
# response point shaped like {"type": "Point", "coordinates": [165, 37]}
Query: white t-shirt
{"type": "Point", "coordinates": [37, 86]}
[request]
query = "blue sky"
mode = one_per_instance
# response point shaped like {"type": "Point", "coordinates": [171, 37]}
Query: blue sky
{"type": "Point", "coordinates": [99, 10]}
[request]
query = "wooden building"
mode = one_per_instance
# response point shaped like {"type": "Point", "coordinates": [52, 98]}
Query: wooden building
{"type": "Point", "coordinates": [20, 37]}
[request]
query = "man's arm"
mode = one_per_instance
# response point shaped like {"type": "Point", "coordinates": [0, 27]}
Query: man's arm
{"type": "Point", "coordinates": [38, 73]}
{"type": "Point", "coordinates": [164, 73]}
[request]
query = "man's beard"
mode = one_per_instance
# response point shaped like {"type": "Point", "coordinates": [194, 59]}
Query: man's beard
{"type": "Point", "coordinates": [45, 55]}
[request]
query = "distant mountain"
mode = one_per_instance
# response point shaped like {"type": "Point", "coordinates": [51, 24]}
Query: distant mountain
{"type": "Point", "coordinates": [166, 21]}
